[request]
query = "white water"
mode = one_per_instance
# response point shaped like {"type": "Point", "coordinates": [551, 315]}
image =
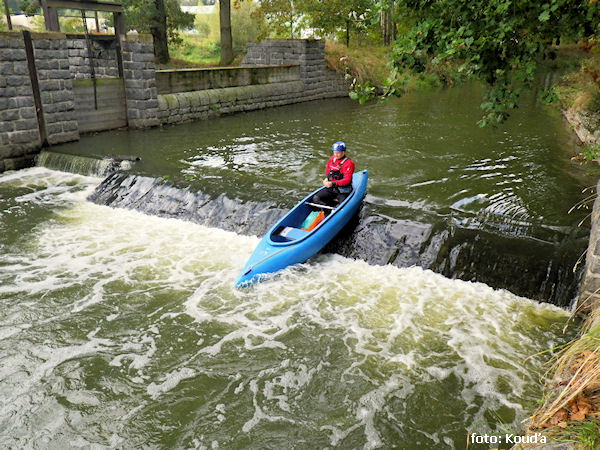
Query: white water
{"type": "Point", "coordinates": [121, 329]}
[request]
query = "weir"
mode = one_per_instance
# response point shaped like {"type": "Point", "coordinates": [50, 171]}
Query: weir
{"type": "Point", "coordinates": [460, 207]}
{"type": "Point", "coordinates": [82, 165]}
{"type": "Point", "coordinates": [526, 267]}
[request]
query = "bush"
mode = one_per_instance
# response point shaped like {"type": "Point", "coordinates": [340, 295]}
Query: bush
{"type": "Point", "coordinates": [71, 24]}
{"type": "Point", "coordinates": [245, 26]}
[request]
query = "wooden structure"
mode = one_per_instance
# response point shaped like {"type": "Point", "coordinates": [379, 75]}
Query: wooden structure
{"type": "Point", "coordinates": [49, 8]}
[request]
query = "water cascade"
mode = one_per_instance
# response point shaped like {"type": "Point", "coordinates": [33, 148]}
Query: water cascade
{"type": "Point", "coordinates": [84, 165]}
{"type": "Point", "coordinates": [528, 267]}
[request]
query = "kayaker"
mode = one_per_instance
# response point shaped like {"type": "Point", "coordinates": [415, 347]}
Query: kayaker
{"type": "Point", "coordinates": [338, 181]}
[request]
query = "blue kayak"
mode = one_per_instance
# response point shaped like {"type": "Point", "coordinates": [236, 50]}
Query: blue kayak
{"type": "Point", "coordinates": [287, 243]}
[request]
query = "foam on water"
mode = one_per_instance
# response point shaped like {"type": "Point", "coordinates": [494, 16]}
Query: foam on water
{"type": "Point", "coordinates": [109, 316]}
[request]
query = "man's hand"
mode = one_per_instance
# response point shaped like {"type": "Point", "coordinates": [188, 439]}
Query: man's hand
{"type": "Point", "coordinates": [327, 183]}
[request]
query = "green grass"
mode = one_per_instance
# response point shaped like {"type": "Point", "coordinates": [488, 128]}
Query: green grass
{"type": "Point", "coordinates": [584, 434]}
{"type": "Point", "coordinates": [195, 51]}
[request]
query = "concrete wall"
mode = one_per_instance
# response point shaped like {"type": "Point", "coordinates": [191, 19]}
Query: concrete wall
{"type": "Point", "coordinates": [187, 80]}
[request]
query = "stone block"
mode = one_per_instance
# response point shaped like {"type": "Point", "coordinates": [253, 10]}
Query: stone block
{"type": "Point", "coordinates": [20, 102]}
{"type": "Point", "coordinates": [62, 96]}
{"type": "Point", "coordinates": [9, 115]}
{"type": "Point", "coordinates": [41, 44]}
{"type": "Point", "coordinates": [54, 128]}
{"type": "Point", "coordinates": [7, 125]}
{"type": "Point", "coordinates": [12, 54]}
{"type": "Point", "coordinates": [7, 68]}
{"type": "Point", "coordinates": [135, 84]}
{"type": "Point", "coordinates": [47, 64]}
{"type": "Point", "coordinates": [137, 94]}
{"type": "Point", "coordinates": [28, 113]}
{"type": "Point", "coordinates": [24, 136]}
{"type": "Point", "coordinates": [143, 57]}
{"type": "Point", "coordinates": [26, 124]}
{"type": "Point", "coordinates": [15, 80]}
{"type": "Point", "coordinates": [49, 85]}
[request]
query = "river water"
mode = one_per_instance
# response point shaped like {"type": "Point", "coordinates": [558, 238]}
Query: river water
{"type": "Point", "coordinates": [120, 326]}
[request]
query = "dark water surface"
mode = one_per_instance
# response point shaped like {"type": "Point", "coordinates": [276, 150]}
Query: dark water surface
{"type": "Point", "coordinates": [120, 329]}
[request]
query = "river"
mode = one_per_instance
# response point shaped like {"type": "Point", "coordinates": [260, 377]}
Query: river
{"type": "Point", "coordinates": [120, 326]}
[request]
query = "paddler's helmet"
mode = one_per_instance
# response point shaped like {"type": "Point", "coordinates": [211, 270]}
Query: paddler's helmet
{"type": "Point", "coordinates": [339, 146]}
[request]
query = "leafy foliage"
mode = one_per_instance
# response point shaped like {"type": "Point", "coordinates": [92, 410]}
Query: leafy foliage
{"type": "Point", "coordinates": [334, 15]}
{"type": "Point", "coordinates": [284, 17]}
{"type": "Point", "coordinates": [245, 27]}
{"type": "Point", "coordinates": [591, 153]}
{"type": "Point", "coordinates": [361, 91]}
{"type": "Point", "coordinates": [30, 7]}
{"type": "Point", "coordinates": [141, 15]}
{"type": "Point", "coordinates": [497, 41]}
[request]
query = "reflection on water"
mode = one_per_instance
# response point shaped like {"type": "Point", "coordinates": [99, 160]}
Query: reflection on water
{"type": "Point", "coordinates": [119, 329]}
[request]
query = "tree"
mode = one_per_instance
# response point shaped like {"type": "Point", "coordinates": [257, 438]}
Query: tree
{"type": "Point", "coordinates": [497, 41]}
{"type": "Point", "coordinates": [158, 29]}
{"type": "Point", "coordinates": [333, 15]}
{"type": "Point", "coordinates": [386, 21]}
{"type": "Point", "coordinates": [284, 16]}
{"type": "Point", "coordinates": [161, 18]}
{"type": "Point", "coordinates": [226, 40]}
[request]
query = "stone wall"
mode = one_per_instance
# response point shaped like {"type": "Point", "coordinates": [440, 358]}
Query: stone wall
{"type": "Point", "coordinates": [58, 60]}
{"type": "Point", "coordinates": [187, 106]}
{"type": "Point", "coordinates": [319, 80]}
{"type": "Point", "coordinates": [297, 72]}
{"type": "Point", "coordinates": [140, 81]}
{"type": "Point", "coordinates": [104, 56]}
{"type": "Point", "coordinates": [56, 87]}
{"type": "Point", "coordinates": [294, 68]}
{"type": "Point", "coordinates": [19, 135]}
{"type": "Point", "coordinates": [590, 287]}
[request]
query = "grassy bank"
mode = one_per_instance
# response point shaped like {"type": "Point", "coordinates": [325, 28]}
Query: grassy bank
{"type": "Point", "coordinates": [570, 409]}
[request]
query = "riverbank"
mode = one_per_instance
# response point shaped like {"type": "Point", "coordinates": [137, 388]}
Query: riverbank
{"type": "Point", "coordinates": [571, 404]}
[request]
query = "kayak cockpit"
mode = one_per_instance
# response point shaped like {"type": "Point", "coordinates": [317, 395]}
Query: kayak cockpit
{"type": "Point", "coordinates": [300, 222]}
